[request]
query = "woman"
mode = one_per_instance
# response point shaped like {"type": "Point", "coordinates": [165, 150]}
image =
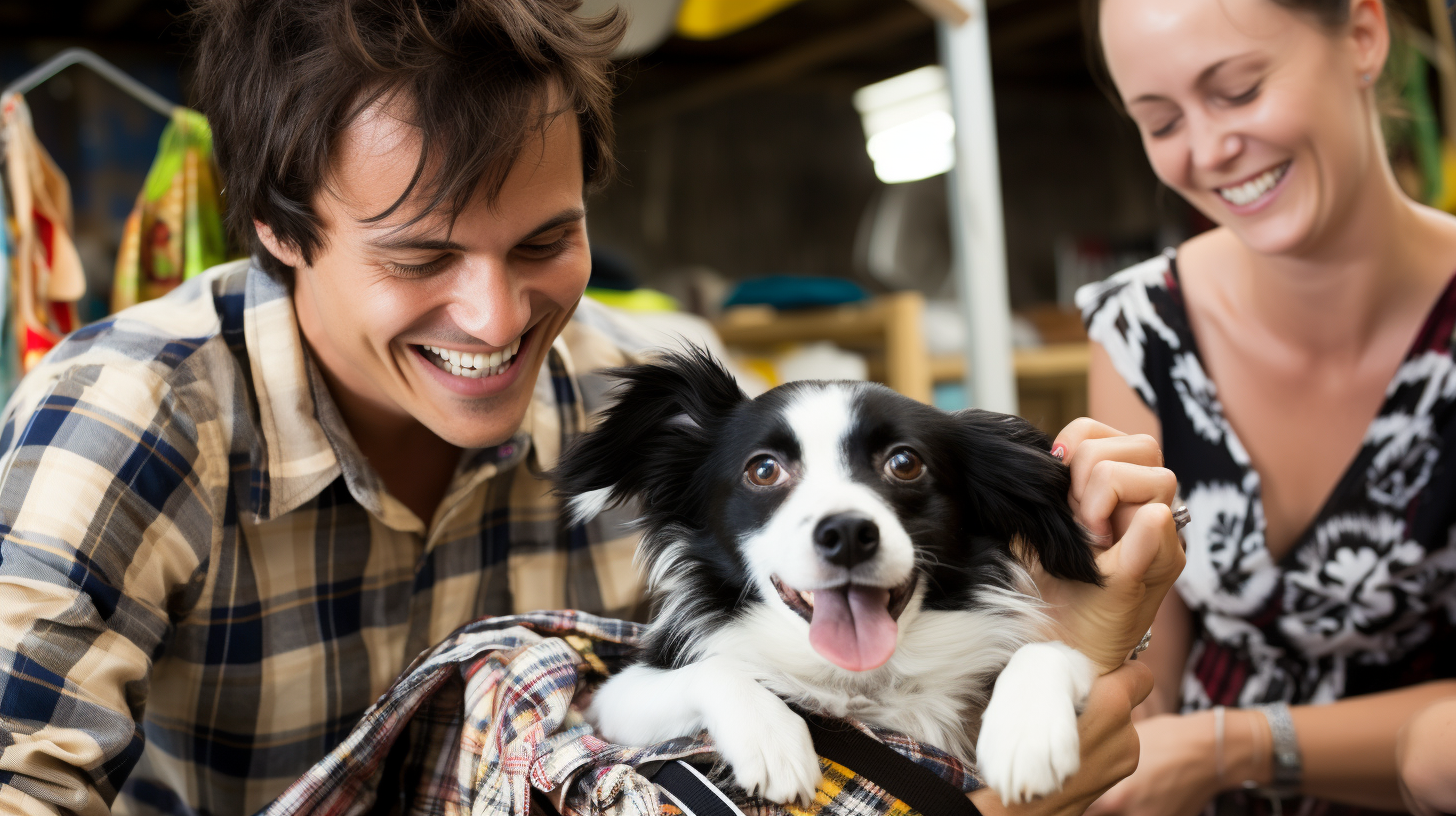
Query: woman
{"type": "Point", "coordinates": [1296, 363]}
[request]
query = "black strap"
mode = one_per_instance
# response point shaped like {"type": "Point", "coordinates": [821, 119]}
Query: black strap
{"type": "Point", "coordinates": [691, 791]}
{"type": "Point", "coordinates": [915, 785]}
{"type": "Point", "coordinates": [838, 741]}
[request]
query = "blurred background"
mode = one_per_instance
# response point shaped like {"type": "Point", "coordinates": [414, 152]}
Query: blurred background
{"type": "Point", "coordinates": [787, 173]}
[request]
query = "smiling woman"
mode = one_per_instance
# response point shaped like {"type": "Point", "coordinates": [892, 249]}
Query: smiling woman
{"type": "Point", "coordinates": [1296, 363]}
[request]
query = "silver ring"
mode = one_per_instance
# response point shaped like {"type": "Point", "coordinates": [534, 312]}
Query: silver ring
{"type": "Point", "coordinates": [1181, 516]}
{"type": "Point", "coordinates": [1143, 644]}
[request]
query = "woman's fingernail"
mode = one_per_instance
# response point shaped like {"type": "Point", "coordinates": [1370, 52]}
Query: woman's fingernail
{"type": "Point", "coordinates": [1059, 450]}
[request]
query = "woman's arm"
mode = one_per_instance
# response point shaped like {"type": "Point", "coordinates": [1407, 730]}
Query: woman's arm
{"type": "Point", "coordinates": [1348, 750]}
{"type": "Point", "coordinates": [1166, 655]}
{"type": "Point", "coordinates": [1111, 401]}
{"type": "Point", "coordinates": [1426, 756]}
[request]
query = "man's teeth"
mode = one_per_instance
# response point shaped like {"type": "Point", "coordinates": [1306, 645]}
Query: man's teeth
{"type": "Point", "coordinates": [472, 365]}
{"type": "Point", "coordinates": [1250, 191]}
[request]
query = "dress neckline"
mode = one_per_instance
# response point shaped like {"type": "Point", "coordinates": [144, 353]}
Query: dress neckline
{"type": "Point", "coordinates": [1437, 330]}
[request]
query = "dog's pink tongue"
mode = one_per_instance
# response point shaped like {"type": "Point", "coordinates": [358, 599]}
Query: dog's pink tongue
{"type": "Point", "coordinates": [853, 629]}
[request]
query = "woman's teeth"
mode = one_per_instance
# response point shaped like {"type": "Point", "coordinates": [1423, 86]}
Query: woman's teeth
{"type": "Point", "coordinates": [470, 365]}
{"type": "Point", "coordinates": [1250, 191]}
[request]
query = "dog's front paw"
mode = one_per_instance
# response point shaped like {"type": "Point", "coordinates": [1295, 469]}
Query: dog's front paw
{"type": "Point", "coordinates": [1028, 745]}
{"type": "Point", "coordinates": [771, 753]}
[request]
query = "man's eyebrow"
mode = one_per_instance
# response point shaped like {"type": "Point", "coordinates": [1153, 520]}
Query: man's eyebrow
{"type": "Point", "coordinates": [444, 245]}
{"type": "Point", "coordinates": [414, 242]}
{"type": "Point", "coordinates": [563, 217]}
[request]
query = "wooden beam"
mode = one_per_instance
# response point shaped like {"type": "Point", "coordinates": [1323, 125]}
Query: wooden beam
{"type": "Point", "coordinates": [786, 65]}
{"type": "Point", "coordinates": [950, 12]}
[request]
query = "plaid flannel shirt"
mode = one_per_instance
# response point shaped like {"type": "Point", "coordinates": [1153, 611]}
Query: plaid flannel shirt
{"type": "Point", "coordinates": [487, 716]}
{"type": "Point", "coordinates": [203, 585]}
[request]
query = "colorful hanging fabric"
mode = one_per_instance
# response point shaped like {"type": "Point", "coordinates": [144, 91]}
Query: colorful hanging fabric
{"type": "Point", "coordinates": [47, 275]}
{"type": "Point", "coordinates": [9, 350]}
{"type": "Point", "coordinates": [175, 231]}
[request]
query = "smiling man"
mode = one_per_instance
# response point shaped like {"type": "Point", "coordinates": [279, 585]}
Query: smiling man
{"type": "Point", "coordinates": [232, 516]}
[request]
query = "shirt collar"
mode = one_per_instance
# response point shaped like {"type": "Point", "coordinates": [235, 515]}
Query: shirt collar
{"type": "Point", "coordinates": [305, 444]}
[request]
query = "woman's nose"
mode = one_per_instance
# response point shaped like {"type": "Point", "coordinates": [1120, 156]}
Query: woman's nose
{"type": "Point", "coordinates": [489, 304]}
{"type": "Point", "coordinates": [1213, 146]}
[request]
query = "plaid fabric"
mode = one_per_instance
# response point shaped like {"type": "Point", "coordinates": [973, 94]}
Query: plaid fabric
{"type": "Point", "coordinates": [487, 715]}
{"type": "Point", "coordinates": [203, 585]}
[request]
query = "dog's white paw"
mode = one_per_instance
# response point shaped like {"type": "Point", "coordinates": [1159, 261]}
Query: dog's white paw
{"type": "Point", "coordinates": [1028, 745]}
{"type": "Point", "coordinates": [770, 752]}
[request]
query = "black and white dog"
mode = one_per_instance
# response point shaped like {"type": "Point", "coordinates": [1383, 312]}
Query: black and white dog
{"type": "Point", "coordinates": [845, 548]}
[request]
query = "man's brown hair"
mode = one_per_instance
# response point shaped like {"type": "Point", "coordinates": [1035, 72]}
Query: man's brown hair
{"type": "Point", "coordinates": [280, 80]}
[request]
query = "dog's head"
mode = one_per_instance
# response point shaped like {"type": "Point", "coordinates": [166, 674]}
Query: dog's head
{"type": "Point", "coordinates": [832, 500]}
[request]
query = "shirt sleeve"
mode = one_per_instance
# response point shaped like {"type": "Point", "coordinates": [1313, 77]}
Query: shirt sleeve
{"type": "Point", "coordinates": [1122, 314]}
{"type": "Point", "coordinates": [105, 523]}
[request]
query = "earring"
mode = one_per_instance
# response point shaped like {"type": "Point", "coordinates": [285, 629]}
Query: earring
{"type": "Point", "coordinates": [1366, 78]}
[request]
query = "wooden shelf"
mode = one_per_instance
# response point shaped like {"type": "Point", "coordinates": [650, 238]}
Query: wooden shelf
{"type": "Point", "coordinates": [1058, 360]}
{"type": "Point", "coordinates": [889, 323]}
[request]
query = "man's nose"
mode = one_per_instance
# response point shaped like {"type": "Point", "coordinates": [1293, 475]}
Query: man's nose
{"type": "Point", "coordinates": [489, 304]}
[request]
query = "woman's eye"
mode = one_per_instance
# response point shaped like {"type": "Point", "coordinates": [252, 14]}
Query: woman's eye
{"type": "Point", "coordinates": [765, 472]}
{"type": "Point", "coordinates": [1246, 96]}
{"type": "Point", "coordinates": [1164, 130]}
{"type": "Point", "coordinates": [904, 465]}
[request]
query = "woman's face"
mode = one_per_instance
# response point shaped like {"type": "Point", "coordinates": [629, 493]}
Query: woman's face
{"type": "Point", "coordinates": [1259, 116]}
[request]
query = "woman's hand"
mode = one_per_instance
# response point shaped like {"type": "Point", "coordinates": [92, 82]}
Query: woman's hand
{"type": "Point", "coordinates": [1175, 776]}
{"type": "Point", "coordinates": [1109, 748]}
{"type": "Point", "coordinates": [1121, 493]}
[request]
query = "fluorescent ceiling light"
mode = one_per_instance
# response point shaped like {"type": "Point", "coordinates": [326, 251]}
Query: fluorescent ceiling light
{"type": "Point", "coordinates": [909, 130]}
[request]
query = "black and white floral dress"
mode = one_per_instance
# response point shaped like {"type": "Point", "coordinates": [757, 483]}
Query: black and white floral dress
{"type": "Point", "coordinates": [1366, 599]}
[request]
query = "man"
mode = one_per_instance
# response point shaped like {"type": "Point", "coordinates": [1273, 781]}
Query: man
{"type": "Point", "coordinates": [231, 517]}
{"type": "Point", "coordinates": [234, 515]}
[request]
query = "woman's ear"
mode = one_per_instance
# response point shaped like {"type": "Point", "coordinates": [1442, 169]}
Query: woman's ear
{"type": "Point", "coordinates": [278, 248]}
{"type": "Point", "coordinates": [1369, 37]}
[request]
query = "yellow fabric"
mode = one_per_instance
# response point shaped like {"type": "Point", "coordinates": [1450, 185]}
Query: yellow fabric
{"type": "Point", "coordinates": [711, 19]}
{"type": "Point", "coordinates": [175, 230]}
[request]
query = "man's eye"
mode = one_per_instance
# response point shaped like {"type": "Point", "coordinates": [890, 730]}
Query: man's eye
{"type": "Point", "coordinates": [419, 270]}
{"type": "Point", "coordinates": [765, 471]}
{"type": "Point", "coordinates": [546, 249]}
{"type": "Point", "coordinates": [904, 465]}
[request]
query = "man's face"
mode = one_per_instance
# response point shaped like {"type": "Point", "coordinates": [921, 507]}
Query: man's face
{"type": "Point", "coordinates": [421, 321]}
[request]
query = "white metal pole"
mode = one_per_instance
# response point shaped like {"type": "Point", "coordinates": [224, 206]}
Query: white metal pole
{"type": "Point", "coordinates": [977, 230]}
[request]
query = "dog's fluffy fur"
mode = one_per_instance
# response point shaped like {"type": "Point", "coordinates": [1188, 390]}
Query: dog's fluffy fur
{"type": "Point", "coordinates": [736, 552]}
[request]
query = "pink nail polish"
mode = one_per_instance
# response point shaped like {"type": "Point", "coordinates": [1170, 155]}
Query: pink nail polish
{"type": "Point", "coordinates": [1059, 450]}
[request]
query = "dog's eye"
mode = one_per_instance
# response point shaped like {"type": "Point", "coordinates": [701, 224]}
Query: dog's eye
{"type": "Point", "coordinates": [765, 472]}
{"type": "Point", "coordinates": [904, 464]}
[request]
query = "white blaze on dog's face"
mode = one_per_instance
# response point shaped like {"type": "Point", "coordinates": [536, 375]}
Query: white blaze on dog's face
{"type": "Point", "coordinates": [834, 551]}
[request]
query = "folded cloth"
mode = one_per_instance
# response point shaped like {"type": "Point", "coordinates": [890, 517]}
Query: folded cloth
{"type": "Point", "coordinates": [480, 720]}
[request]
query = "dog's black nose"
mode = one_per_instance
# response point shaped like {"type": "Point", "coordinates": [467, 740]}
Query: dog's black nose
{"type": "Point", "coordinates": [846, 539]}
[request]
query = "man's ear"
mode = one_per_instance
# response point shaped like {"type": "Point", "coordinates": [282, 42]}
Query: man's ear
{"type": "Point", "coordinates": [650, 442]}
{"type": "Point", "coordinates": [1015, 487]}
{"type": "Point", "coordinates": [277, 247]}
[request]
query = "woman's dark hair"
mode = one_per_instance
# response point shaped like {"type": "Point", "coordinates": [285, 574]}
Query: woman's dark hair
{"type": "Point", "coordinates": [280, 80]}
{"type": "Point", "coordinates": [1332, 14]}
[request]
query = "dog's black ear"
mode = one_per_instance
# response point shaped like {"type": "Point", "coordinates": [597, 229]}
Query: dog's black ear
{"type": "Point", "coordinates": [1017, 488]}
{"type": "Point", "coordinates": [650, 441]}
